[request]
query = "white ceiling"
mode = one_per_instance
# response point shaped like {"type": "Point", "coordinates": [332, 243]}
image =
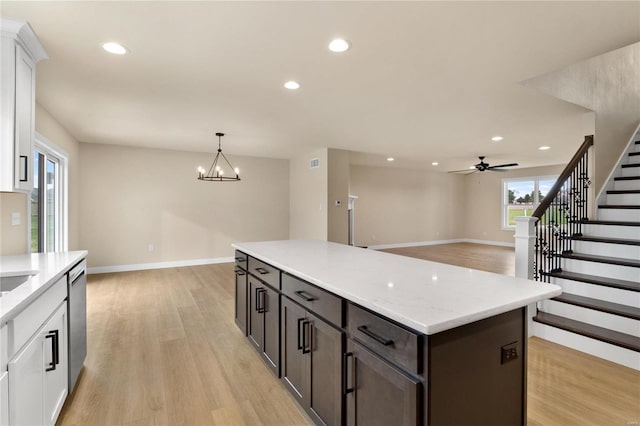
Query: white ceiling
{"type": "Point", "coordinates": [423, 82]}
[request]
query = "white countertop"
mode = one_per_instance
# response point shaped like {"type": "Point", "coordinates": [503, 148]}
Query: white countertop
{"type": "Point", "coordinates": [49, 267]}
{"type": "Point", "coordinates": [428, 297]}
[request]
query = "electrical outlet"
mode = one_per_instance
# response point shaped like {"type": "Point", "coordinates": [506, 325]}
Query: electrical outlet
{"type": "Point", "coordinates": [151, 247]}
{"type": "Point", "coordinates": [508, 352]}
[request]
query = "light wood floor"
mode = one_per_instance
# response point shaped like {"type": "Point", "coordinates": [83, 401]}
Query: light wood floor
{"type": "Point", "coordinates": [164, 349]}
{"type": "Point", "coordinates": [500, 260]}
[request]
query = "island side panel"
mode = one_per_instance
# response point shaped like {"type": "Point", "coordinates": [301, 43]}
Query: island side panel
{"type": "Point", "coordinates": [471, 379]}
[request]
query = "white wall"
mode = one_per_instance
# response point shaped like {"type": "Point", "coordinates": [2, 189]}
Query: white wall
{"type": "Point", "coordinates": [308, 196]}
{"type": "Point", "coordinates": [133, 197]}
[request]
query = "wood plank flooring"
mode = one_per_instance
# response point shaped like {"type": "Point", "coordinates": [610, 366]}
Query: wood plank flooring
{"type": "Point", "coordinates": [163, 349]}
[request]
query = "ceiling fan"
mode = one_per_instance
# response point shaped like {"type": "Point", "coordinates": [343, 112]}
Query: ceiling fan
{"type": "Point", "coordinates": [482, 166]}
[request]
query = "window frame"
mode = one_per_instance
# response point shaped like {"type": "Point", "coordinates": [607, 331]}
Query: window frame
{"type": "Point", "coordinates": [505, 195]}
{"type": "Point", "coordinates": [50, 150]}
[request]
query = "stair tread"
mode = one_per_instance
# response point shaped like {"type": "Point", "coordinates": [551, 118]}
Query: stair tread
{"type": "Point", "coordinates": [589, 330]}
{"type": "Point", "coordinates": [627, 178]}
{"type": "Point", "coordinates": [624, 191]}
{"type": "Point", "coordinates": [609, 222]}
{"type": "Point", "coordinates": [594, 279]}
{"type": "Point", "coordinates": [599, 305]}
{"type": "Point", "coordinates": [622, 241]}
{"type": "Point", "coordinates": [619, 206]}
{"type": "Point", "coordinates": [634, 153]}
{"type": "Point", "coordinates": [631, 165]}
{"type": "Point", "coordinates": [603, 259]}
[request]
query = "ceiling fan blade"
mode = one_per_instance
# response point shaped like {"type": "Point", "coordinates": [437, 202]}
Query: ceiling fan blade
{"type": "Point", "coordinates": [503, 165]}
{"type": "Point", "coordinates": [463, 170]}
{"type": "Point", "coordinates": [491, 169]}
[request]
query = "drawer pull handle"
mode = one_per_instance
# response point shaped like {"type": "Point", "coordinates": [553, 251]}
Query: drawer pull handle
{"type": "Point", "coordinates": [260, 300]}
{"type": "Point", "coordinates": [382, 340]}
{"type": "Point", "coordinates": [299, 328]}
{"type": "Point", "coordinates": [345, 379]}
{"type": "Point", "coordinates": [55, 350]}
{"type": "Point", "coordinates": [26, 168]}
{"type": "Point", "coordinates": [306, 336]}
{"type": "Point", "coordinates": [305, 296]}
{"type": "Point", "coordinates": [240, 272]}
{"type": "Point", "coordinates": [240, 259]}
{"type": "Point", "coordinates": [262, 271]}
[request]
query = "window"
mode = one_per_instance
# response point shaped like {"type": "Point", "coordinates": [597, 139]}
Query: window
{"type": "Point", "coordinates": [48, 199]}
{"type": "Point", "coordinates": [521, 196]}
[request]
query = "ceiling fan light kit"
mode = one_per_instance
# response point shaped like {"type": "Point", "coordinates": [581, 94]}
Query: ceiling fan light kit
{"type": "Point", "coordinates": [216, 172]}
{"type": "Point", "coordinates": [482, 167]}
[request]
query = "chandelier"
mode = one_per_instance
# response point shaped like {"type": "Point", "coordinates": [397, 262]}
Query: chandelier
{"type": "Point", "coordinates": [216, 172]}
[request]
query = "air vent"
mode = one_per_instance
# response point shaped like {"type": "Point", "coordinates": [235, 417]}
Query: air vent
{"type": "Point", "coordinates": [314, 163]}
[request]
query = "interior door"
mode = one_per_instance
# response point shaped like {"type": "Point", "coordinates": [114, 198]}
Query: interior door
{"type": "Point", "coordinates": [324, 394]}
{"type": "Point", "coordinates": [377, 392]}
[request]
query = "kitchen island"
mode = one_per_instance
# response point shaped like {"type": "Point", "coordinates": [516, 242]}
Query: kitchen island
{"type": "Point", "coordinates": [365, 337]}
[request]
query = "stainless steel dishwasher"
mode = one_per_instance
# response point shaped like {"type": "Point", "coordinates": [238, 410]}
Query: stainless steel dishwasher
{"type": "Point", "coordinates": [77, 309]}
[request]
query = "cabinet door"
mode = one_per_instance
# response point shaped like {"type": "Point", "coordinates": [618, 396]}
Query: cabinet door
{"type": "Point", "coordinates": [377, 392]}
{"type": "Point", "coordinates": [56, 378]}
{"type": "Point", "coordinates": [256, 313]}
{"type": "Point", "coordinates": [4, 398]}
{"type": "Point", "coordinates": [24, 119]}
{"type": "Point", "coordinates": [271, 347]}
{"type": "Point", "coordinates": [324, 390]}
{"type": "Point", "coordinates": [293, 360]}
{"type": "Point", "coordinates": [241, 300]}
{"type": "Point", "coordinates": [26, 378]}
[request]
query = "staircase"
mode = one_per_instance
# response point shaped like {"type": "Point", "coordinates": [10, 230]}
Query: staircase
{"type": "Point", "coordinates": [597, 264]}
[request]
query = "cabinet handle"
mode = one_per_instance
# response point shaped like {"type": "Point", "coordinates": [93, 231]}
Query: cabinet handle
{"type": "Point", "coordinates": [240, 259]}
{"type": "Point", "coordinates": [240, 272]}
{"type": "Point", "coordinates": [299, 328]}
{"type": "Point", "coordinates": [259, 309]}
{"type": "Point", "coordinates": [262, 271]}
{"type": "Point", "coordinates": [382, 340]}
{"type": "Point", "coordinates": [306, 327]}
{"type": "Point", "coordinates": [55, 350]}
{"type": "Point", "coordinates": [345, 378]}
{"type": "Point", "coordinates": [261, 292]}
{"type": "Point", "coordinates": [305, 296]}
{"type": "Point", "coordinates": [26, 168]}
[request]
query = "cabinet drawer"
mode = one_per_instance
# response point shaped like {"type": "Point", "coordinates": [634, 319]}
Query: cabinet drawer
{"type": "Point", "coordinates": [395, 343]}
{"type": "Point", "coordinates": [241, 260]}
{"type": "Point", "coordinates": [314, 299]}
{"type": "Point", "coordinates": [265, 272]}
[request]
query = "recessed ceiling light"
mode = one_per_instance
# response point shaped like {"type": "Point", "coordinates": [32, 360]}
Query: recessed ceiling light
{"type": "Point", "coordinates": [435, 163]}
{"type": "Point", "coordinates": [544, 148]}
{"type": "Point", "coordinates": [292, 85]}
{"type": "Point", "coordinates": [390, 159]}
{"type": "Point", "coordinates": [339, 45]}
{"type": "Point", "coordinates": [497, 138]}
{"type": "Point", "coordinates": [115, 48]}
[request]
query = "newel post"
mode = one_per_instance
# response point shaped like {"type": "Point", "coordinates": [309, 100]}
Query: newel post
{"type": "Point", "coordinates": [525, 237]}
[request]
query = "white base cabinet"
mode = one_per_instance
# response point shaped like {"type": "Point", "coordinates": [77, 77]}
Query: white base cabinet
{"type": "Point", "coordinates": [4, 398]}
{"type": "Point", "coordinates": [38, 382]}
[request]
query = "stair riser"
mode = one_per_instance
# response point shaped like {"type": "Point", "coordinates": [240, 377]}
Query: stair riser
{"type": "Point", "coordinates": [626, 215]}
{"type": "Point", "coordinates": [611, 231]}
{"type": "Point", "coordinates": [590, 316]}
{"type": "Point", "coordinates": [605, 249]}
{"type": "Point", "coordinates": [609, 294]}
{"type": "Point", "coordinates": [626, 185]}
{"type": "Point", "coordinates": [623, 199]}
{"type": "Point", "coordinates": [630, 171]}
{"type": "Point", "coordinates": [626, 273]}
{"type": "Point", "coordinates": [594, 347]}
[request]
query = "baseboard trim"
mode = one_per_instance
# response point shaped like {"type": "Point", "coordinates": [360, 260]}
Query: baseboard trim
{"type": "Point", "coordinates": [158, 265]}
{"type": "Point", "coordinates": [438, 242]}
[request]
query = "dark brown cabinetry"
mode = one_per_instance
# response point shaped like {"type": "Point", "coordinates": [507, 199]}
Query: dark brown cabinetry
{"type": "Point", "coordinates": [312, 352]}
{"type": "Point", "coordinates": [241, 292]}
{"type": "Point", "coordinates": [377, 392]}
{"type": "Point", "coordinates": [264, 321]}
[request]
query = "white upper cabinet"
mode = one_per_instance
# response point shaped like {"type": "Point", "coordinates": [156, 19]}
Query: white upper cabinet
{"type": "Point", "coordinates": [20, 52]}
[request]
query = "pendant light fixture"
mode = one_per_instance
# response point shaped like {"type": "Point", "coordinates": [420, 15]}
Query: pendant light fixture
{"type": "Point", "coordinates": [216, 172]}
